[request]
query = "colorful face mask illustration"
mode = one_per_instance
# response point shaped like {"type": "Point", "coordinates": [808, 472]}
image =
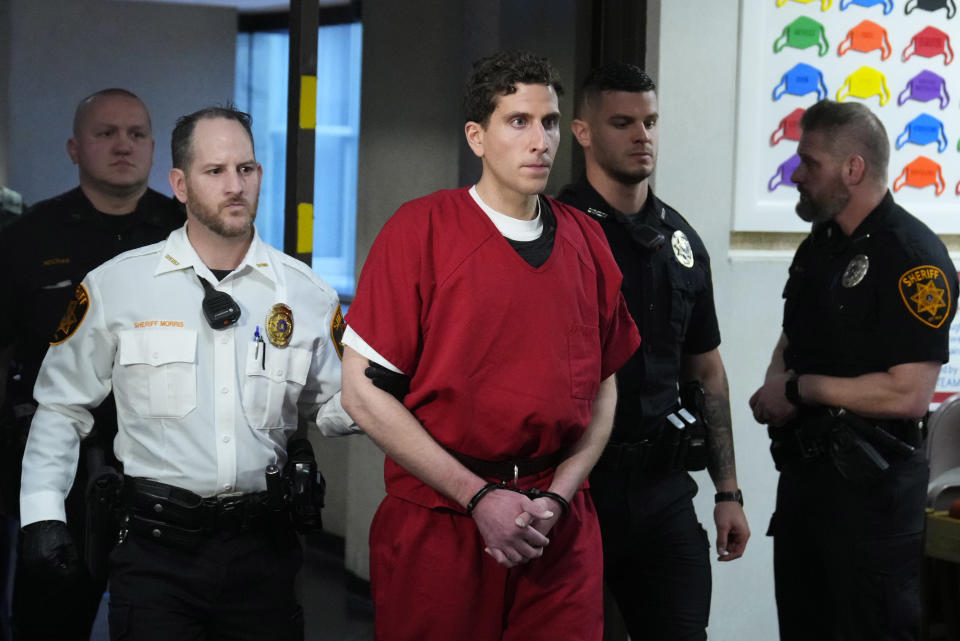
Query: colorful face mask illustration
{"type": "Point", "coordinates": [802, 33]}
{"type": "Point", "coordinates": [921, 172]}
{"type": "Point", "coordinates": [923, 87]}
{"type": "Point", "coordinates": [866, 37]}
{"type": "Point", "coordinates": [887, 4]}
{"type": "Point", "coordinates": [923, 130]}
{"type": "Point", "coordinates": [865, 82]}
{"type": "Point", "coordinates": [789, 127]}
{"type": "Point", "coordinates": [824, 4]}
{"type": "Point", "coordinates": [800, 81]}
{"type": "Point", "coordinates": [931, 5]}
{"type": "Point", "coordinates": [929, 42]}
{"type": "Point", "coordinates": [784, 171]}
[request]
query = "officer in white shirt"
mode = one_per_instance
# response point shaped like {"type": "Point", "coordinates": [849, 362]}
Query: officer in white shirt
{"type": "Point", "coordinates": [217, 347]}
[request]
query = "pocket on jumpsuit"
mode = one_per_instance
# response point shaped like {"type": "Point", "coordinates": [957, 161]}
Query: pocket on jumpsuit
{"type": "Point", "coordinates": [160, 371]}
{"type": "Point", "coordinates": [272, 384]}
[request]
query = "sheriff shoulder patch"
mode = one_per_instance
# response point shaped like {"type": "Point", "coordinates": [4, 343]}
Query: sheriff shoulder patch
{"type": "Point", "coordinates": [337, 327]}
{"type": "Point", "coordinates": [926, 294]}
{"type": "Point", "coordinates": [76, 312]}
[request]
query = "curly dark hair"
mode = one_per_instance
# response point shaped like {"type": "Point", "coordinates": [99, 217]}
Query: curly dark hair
{"type": "Point", "coordinates": [498, 74]}
{"type": "Point", "coordinates": [182, 136]}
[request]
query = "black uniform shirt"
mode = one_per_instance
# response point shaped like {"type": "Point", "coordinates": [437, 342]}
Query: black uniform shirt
{"type": "Point", "coordinates": [671, 303]}
{"type": "Point", "coordinates": [46, 253]}
{"type": "Point", "coordinates": [883, 296]}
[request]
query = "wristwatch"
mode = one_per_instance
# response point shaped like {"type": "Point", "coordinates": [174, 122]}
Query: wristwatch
{"type": "Point", "coordinates": [792, 390]}
{"type": "Point", "coordinates": [737, 496]}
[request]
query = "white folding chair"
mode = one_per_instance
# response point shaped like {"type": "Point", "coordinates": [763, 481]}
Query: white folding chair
{"type": "Point", "coordinates": [943, 451]}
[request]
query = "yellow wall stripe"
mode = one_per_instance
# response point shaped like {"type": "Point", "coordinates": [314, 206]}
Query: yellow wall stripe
{"type": "Point", "coordinates": [308, 102]}
{"type": "Point", "coordinates": [304, 228]}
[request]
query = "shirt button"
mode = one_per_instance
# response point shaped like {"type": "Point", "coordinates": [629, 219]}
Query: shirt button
{"type": "Point", "coordinates": [224, 340]}
{"type": "Point", "coordinates": [224, 389]}
{"type": "Point", "coordinates": [279, 372]}
{"type": "Point", "coordinates": [156, 355]}
{"type": "Point", "coordinates": [227, 487]}
{"type": "Point", "coordinates": [226, 438]}
{"type": "Point", "coordinates": [651, 307]}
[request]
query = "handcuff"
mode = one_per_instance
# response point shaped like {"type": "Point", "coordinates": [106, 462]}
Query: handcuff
{"type": "Point", "coordinates": [532, 493]}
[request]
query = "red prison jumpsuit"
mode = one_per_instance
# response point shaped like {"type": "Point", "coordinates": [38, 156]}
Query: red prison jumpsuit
{"type": "Point", "coordinates": [505, 361]}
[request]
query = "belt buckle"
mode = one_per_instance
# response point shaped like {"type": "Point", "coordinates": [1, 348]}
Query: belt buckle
{"type": "Point", "coordinates": [230, 513]}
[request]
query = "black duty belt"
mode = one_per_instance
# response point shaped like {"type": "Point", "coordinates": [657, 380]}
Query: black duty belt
{"type": "Point", "coordinates": [510, 470]}
{"type": "Point", "coordinates": [166, 512]}
{"type": "Point", "coordinates": [809, 435]}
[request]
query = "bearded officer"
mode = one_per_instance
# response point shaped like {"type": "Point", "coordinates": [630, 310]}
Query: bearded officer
{"type": "Point", "coordinates": [867, 311]}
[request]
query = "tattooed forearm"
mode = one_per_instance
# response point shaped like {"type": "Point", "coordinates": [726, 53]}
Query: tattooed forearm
{"type": "Point", "coordinates": [721, 461]}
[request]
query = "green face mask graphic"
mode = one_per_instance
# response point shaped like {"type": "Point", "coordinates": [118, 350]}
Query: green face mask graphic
{"type": "Point", "coordinates": [802, 33]}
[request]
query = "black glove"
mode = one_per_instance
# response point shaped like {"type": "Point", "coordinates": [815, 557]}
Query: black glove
{"type": "Point", "coordinates": [49, 555]}
{"type": "Point", "coordinates": [393, 383]}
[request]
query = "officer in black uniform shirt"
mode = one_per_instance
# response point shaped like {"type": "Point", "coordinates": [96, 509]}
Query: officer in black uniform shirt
{"type": "Point", "coordinates": [866, 321]}
{"type": "Point", "coordinates": [656, 554]}
{"type": "Point", "coordinates": [45, 254]}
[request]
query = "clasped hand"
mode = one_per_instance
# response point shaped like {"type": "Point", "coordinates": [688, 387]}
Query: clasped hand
{"type": "Point", "coordinates": [514, 527]}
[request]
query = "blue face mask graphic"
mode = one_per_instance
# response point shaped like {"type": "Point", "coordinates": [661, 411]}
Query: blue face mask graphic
{"type": "Point", "coordinates": [923, 130]}
{"type": "Point", "coordinates": [887, 4]}
{"type": "Point", "coordinates": [800, 81]}
{"type": "Point", "coordinates": [931, 5]}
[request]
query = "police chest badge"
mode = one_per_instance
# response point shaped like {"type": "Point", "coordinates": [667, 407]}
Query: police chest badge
{"type": "Point", "coordinates": [856, 270]}
{"type": "Point", "coordinates": [337, 327]}
{"type": "Point", "coordinates": [682, 249]}
{"type": "Point", "coordinates": [280, 325]}
{"type": "Point", "coordinates": [76, 312]}
{"type": "Point", "coordinates": [926, 294]}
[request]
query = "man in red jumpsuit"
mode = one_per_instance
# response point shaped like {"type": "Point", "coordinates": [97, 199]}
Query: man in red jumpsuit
{"type": "Point", "coordinates": [501, 308]}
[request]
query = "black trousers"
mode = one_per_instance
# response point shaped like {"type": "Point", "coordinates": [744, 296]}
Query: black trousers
{"type": "Point", "coordinates": [656, 554]}
{"type": "Point", "coordinates": [231, 587]}
{"type": "Point", "coordinates": [847, 558]}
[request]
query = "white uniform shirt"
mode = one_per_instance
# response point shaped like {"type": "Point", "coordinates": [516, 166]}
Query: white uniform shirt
{"type": "Point", "coordinates": [202, 409]}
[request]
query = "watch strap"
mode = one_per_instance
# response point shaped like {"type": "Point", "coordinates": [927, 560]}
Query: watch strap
{"type": "Point", "coordinates": [736, 495]}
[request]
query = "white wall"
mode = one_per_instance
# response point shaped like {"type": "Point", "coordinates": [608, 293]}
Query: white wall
{"type": "Point", "coordinates": [693, 57]}
{"type": "Point", "coordinates": [176, 58]}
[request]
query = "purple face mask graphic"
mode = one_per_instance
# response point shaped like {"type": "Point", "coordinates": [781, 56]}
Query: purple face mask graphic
{"type": "Point", "coordinates": [783, 173]}
{"type": "Point", "coordinates": [923, 87]}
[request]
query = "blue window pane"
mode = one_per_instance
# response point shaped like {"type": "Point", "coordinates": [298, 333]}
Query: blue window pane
{"type": "Point", "coordinates": [261, 91]}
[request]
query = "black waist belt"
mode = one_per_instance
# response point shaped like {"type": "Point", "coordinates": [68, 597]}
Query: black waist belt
{"type": "Point", "coordinates": [808, 436]}
{"type": "Point", "coordinates": [164, 511]}
{"type": "Point", "coordinates": [510, 470]}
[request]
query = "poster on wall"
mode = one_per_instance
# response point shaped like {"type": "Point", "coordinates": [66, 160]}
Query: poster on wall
{"type": "Point", "coordinates": [898, 57]}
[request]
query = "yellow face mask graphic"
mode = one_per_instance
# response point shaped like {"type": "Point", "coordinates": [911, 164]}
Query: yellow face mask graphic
{"type": "Point", "coordinates": [865, 82]}
{"type": "Point", "coordinates": [824, 4]}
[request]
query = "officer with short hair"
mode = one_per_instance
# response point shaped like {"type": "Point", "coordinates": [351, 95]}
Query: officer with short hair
{"type": "Point", "coordinates": [50, 248]}
{"type": "Point", "coordinates": [656, 554]}
{"type": "Point", "coordinates": [218, 349]}
{"type": "Point", "coordinates": [866, 318]}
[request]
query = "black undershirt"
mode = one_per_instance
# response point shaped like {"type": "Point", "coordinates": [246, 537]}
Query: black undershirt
{"type": "Point", "coordinates": [536, 252]}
